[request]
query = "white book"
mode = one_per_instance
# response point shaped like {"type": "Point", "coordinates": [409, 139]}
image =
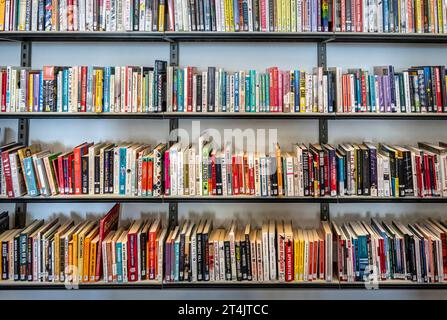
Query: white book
{"type": "Point", "coordinates": [222, 256]}
{"type": "Point", "coordinates": [192, 170]}
{"type": "Point", "coordinates": [290, 176]}
{"type": "Point", "coordinates": [179, 171]}
{"type": "Point", "coordinates": [257, 173]}
{"type": "Point", "coordinates": [265, 253]}
{"type": "Point", "coordinates": [232, 235]}
{"type": "Point", "coordinates": [224, 175]}
{"type": "Point", "coordinates": [204, 91]}
{"type": "Point", "coordinates": [272, 250]}
{"type": "Point", "coordinates": [306, 256]}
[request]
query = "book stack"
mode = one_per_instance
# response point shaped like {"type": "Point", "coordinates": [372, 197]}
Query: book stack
{"type": "Point", "coordinates": [202, 169]}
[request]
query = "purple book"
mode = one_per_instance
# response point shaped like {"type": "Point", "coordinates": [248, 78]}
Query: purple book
{"type": "Point", "coordinates": [167, 262]}
{"type": "Point", "coordinates": [36, 83]}
{"type": "Point", "coordinates": [381, 99]}
{"type": "Point", "coordinates": [373, 170]}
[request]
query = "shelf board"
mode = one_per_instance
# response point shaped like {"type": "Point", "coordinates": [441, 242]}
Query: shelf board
{"type": "Point", "coordinates": [216, 199]}
{"type": "Point", "coordinates": [225, 115]}
{"type": "Point", "coordinates": [239, 285]}
{"type": "Point", "coordinates": [143, 36]}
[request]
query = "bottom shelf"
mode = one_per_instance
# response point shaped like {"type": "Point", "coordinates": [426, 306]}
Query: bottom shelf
{"type": "Point", "coordinates": [390, 284]}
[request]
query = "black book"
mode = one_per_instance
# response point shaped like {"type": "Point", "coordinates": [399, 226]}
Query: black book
{"type": "Point", "coordinates": [199, 93]}
{"type": "Point", "coordinates": [366, 171]}
{"type": "Point", "coordinates": [206, 251]}
{"type": "Point", "coordinates": [412, 99]}
{"type": "Point", "coordinates": [192, 15]}
{"type": "Point", "coordinates": [111, 157]}
{"type": "Point", "coordinates": [199, 254]}
{"type": "Point", "coordinates": [256, 23]}
{"type": "Point", "coordinates": [306, 180]}
{"type": "Point", "coordinates": [106, 167]}
{"type": "Point", "coordinates": [84, 173]}
{"type": "Point", "coordinates": [443, 91]}
{"type": "Point", "coordinates": [211, 85]}
{"type": "Point", "coordinates": [201, 14]}
{"type": "Point", "coordinates": [4, 221]}
{"type": "Point", "coordinates": [248, 255]}
{"type": "Point", "coordinates": [272, 14]}
{"type": "Point", "coordinates": [244, 270]}
{"type": "Point", "coordinates": [16, 256]}
{"type": "Point", "coordinates": [5, 255]}
{"type": "Point", "coordinates": [213, 16]}
{"type": "Point", "coordinates": [219, 190]}
{"type": "Point", "coordinates": [143, 252]}
{"type": "Point", "coordinates": [273, 176]}
{"type": "Point", "coordinates": [97, 175]}
{"type": "Point", "coordinates": [155, 5]}
{"type": "Point", "coordinates": [136, 15]}
{"type": "Point", "coordinates": [160, 76]}
{"type": "Point", "coordinates": [181, 276]}
{"type": "Point", "coordinates": [238, 254]}
{"type": "Point", "coordinates": [227, 260]}
{"type": "Point", "coordinates": [359, 172]}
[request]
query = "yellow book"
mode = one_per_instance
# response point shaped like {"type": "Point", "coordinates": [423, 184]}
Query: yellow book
{"type": "Point", "coordinates": [302, 81]}
{"type": "Point", "coordinates": [86, 258]}
{"type": "Point", "coordinates": [283, 15]}
{"type": "Point", "coordinates": [296, 259]}
{"type": "Point", "coordinates": [440, 18]}
{"type": "Point", "coordinates": [57, 248]}
{"type": "Point", "coordinates": [301, 255]}
{"type": "Point", "coordinates": [231, 16]}
{"type": "Point", "coordinates": [69, 275]}
{"type": "Point", "coordinates": [30, 92]}
{"type": "Point", "coordinates": [80, 249]}
{"type": "Point", "coordinates": [161, 17]}
{"type": "Point", "coordinates": [227, 15]}
{"type": "Point", "coordinates": [418, 16]}
{"type": "Point", "coordinates": [278, 15]}
{"type": "Point", "coordinates": [279, 169]}
{"type": "Point", "coordinates": [293, 26]}
{"type": "Point", "coordinates": [93, 257]}
{"type": "Point", "coordinates": [2, 14]}
{"type": "Point", "coordinates": [98, 93]}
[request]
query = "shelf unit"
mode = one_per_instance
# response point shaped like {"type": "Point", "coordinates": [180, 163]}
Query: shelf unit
{"type": "Point", "coordinates": [174, 39]}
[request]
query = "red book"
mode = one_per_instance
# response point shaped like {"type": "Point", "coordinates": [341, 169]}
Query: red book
{"type": "Point", "coordinates": [152, 249]}
{"type": "Point", "coordinates": [427, 176]}
{"type": "Point", "coordinates": [280, 91]}
{"type": "Point", "coordinates": [70, 172]}
{"type": "Point", "coordinates": [364, 106]}
{"type": "Point", "coordinates": [3, 97]}
{"type": "Point", "coordinates": [433, 178]}
{"type": "Point", "coordinates": [240, 174]}
{"type": "Point", "coordinates": [327, 183]}
{"type": "Point", "coordinates": [382, 258]}
{"type": "Point", "coordinates": [189, 88]}
{"type": "Point", "coordinates": [438, 90]}
{"type": "Point", "coordinates": [144, 166]}
{"type": "Point", "coordinates": [251, 178]}
{"type": "Point", "coordinates": [108, 223]}
{"type": "Point", "coordinates": [275, 90]}
{"type": "Point", "coordinates": [167, 174]}
{"type": "Point", "coordinates": [311, 174]}
{"type": "Point", "coordinates": [343, 15]}
{"type": "Point", "coordinates": [7, 171]}
{"type": "Point", "coordinates": [78, 152]}
{"type": "Point", "coordinates": [246, 175]}
{"type": "Point", "coordinates": [132, 251]}
{"type": "Point", "coordinates": [419, 176]}
{"type": "Point", "coordinates": [353, 16]}
{"type": "Point", "coordinates": [271, 90]}
{"type": "Point", "coordinates": [321, 251]}
{"type": "Point", "coordinates": [212, 186]}
{"type": "Point", "coordinates": [235, 179]}
{"type": "Point", "coordinates": [61, 181]}
{"type": "Point", "coordinates": [150, 177]}
{"type": "Point", "coordinates": [263, 15]}
{"type": "Point", "coordinates": [289, 260]}
{"type": "Point", "coordinates": [84, 89]}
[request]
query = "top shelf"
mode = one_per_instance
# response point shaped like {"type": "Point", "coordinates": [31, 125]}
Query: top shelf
{"type": "Point", "coordinates": [138, 36]}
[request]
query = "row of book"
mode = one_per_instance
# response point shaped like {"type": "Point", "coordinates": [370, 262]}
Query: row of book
{"type": "Point", "coordinates": [165, 88]}
{"type": "Point", "coordinates": [205, 169]}
{"type": "Point", "coordinates": [273, 251]}
{"type": "Point", "coordinates": [416, 16]}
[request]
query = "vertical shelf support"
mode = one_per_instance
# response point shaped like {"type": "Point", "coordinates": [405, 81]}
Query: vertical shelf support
{"type": "Point", "coordinates": [323, 124]}
{"type": "Point", "coordinates": [22, 134]}
{"type": "Point", "coordinates": [173, 214]}
{"type": "Point", "coordinates": [173, 54]}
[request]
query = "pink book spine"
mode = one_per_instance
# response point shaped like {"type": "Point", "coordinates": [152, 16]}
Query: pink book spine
{"type": "Point", "coordinates": [167, 175]}
{"type": "Point", "coordinates": [281, 91]}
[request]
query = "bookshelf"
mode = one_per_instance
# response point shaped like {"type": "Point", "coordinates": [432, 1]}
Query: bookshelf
{"type": "Point", "coordinates": [174, 39]}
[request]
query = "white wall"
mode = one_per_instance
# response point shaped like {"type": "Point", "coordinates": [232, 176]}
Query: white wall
{"type": "Point", "coordinates": [63, 134]}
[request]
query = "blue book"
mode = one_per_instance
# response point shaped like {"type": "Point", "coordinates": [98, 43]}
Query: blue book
{"type": "Point", "coordinates": [236, 92]}
{"type": "Point", "coordinates": [89, 102]}
{"type": "Point", "coordinates": [358, 89]}
{"type": "Point", "coordinates": [122, 173]}
{"type": "Point", "coordinates": [180, 89]}
{"type": "Point", "coordinates": [386, 13]}
{"type": "Point", "coordinates": [355, 258]}
{"type": "Point", "coordinates": [106, 89]}
{"type": "Point", "coordinates": [119, 262]}
{"type": "Point", "coordinates": [341, 174]}
{"type": "Point", "coordinates": [177, 260]}
{"type": "Point", "coordinates": [372, 91]}
{"type": "Point", "coordinates": [65, 90]}
{"type": "Point", "coordinates": [225, 84]}
{"type": "Point", "coordinates": [41, 91]}
{"type": "Point", "coordinates": [363, 260]}
{"type": "Point", "coordinates": [236, 13]}
{"type": "Point", "coordinates": [296, 88]}
{"type": "Point", "coordinates": [253, 91]}
{"type": "Point", "coordinates": [267, 92]}
{"type": "Point", "coordinates": [48, 14]}
{"type": "Point", "coordinates": [247, 93]}
{"type": "Point", "coordinates": [30, 176]}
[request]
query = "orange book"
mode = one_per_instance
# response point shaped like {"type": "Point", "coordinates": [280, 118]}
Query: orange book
{"type": "Point", "coordinates": [152, 249]}
{"type": "Point", "coordinates": [93, 258]}
{"type": "Point", "coordinates": [70, 261]}
{"type": "Point", "coordinates": [2, 14]}
{"type": "Point", "coordinates": [279, 169]}
{"type": "Point", "coordinates": [86, 257]}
